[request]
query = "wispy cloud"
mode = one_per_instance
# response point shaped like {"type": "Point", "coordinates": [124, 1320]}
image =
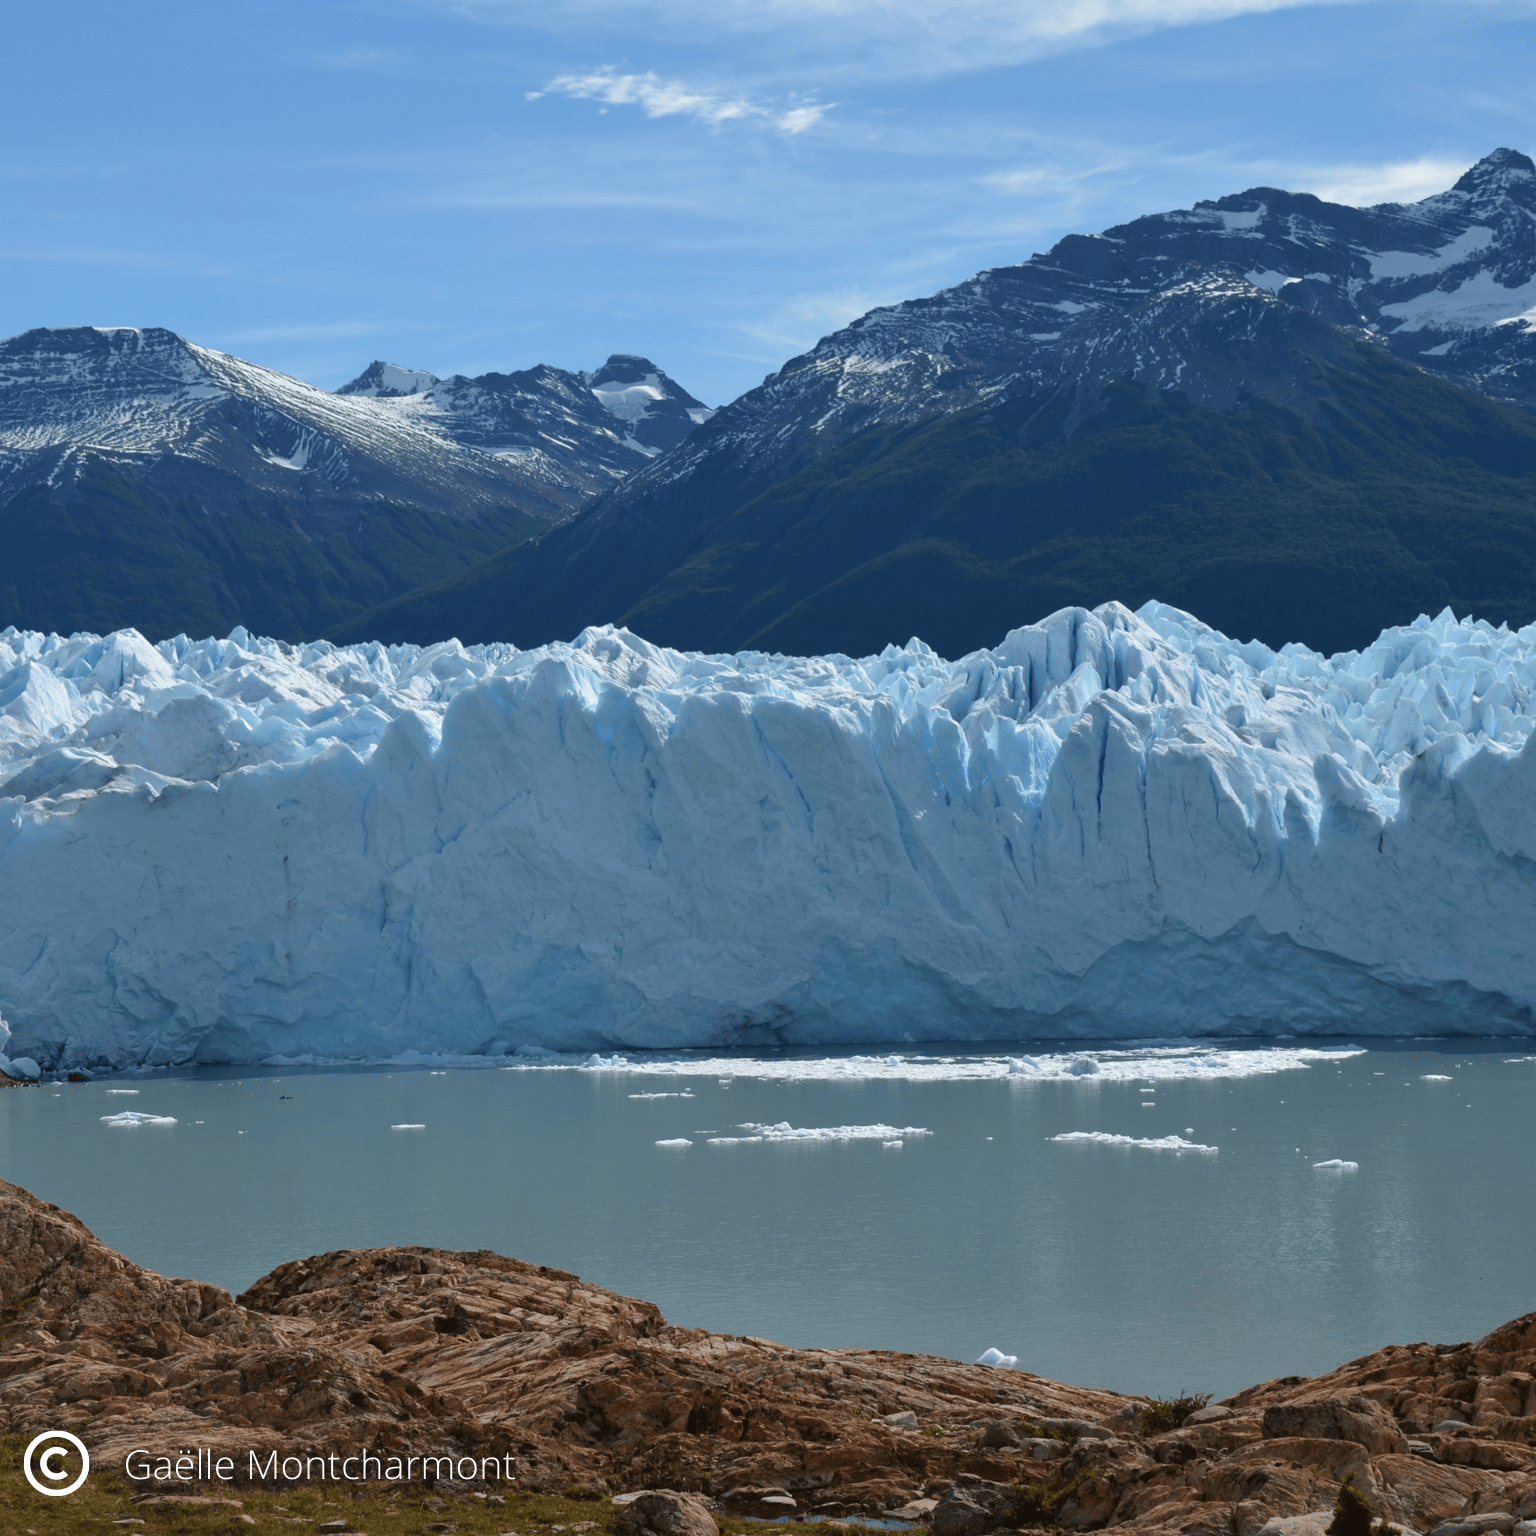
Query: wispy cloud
{"type": "Point", "coordinates": [186, 265]}
{"type": "Point", "coordinates": [799, 323]}
{"type": "Point", "coordinates": [365, 60]}
{"type": "Point", "coordinates": [491, 199]}
{"type": "Point", "coordinates": [324, 332]}
{"type": "Point", "coordinates": [671, 98]}
{"type": "Point", "coordinates": [1397, 181]}
{"type": "Point", "coordinates": [852, 39]}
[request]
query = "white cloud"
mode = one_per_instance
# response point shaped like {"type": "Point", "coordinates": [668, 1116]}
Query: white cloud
{"type": "Point", "coordinates": [1400, 181]}
{"type": "Point", "coordinates": [671, 98]}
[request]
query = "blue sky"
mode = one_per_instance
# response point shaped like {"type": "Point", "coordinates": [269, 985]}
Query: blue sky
{"type": "Point", "coordinates": [464, 185]}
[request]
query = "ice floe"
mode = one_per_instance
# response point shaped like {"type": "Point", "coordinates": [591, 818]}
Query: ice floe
{"type": "Point", "coordinates": [128, 1118]}
{"type": "Point", "coordinates": [996, 1357]}
{"type": "Point", "coordinates": [784, 1131]}
{"type": "Point", "coordinates": [1151, 1143]}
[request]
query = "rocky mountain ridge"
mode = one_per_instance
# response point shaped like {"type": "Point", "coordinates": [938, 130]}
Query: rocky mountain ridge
{"type": "Point", "coordinates": [473, 1353]}
{"type": "Point", "coordinates": [146, 479]}
{"type": "Point", "coordinates": [1448, 283]}
{"type": "Point", "coordinates": [585, 429]}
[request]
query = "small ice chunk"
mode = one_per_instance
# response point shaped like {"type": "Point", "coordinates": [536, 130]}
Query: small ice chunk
{"type": "Point", "coordinates": [129, 1118]}
{"type": "Point", "coordinates": [1434, 1077]}
{"type": "Point", "coordinates": [898, 1143]}
{"type": "Point", "coordinates": [412, 1127]}
{"type": "Point", "coordinates": [1084, 1066]}
{"type": "Point", "coordinates": [996, 1357]}
{"type": "Point", "coordinates": [675, 1141]}
{"type": "Point", "coordinates": [20, 1066]}
{"type": "Point", "coordinates": [1339, 1164]}
{"type": "Point", "coordinates": [122, 1090]}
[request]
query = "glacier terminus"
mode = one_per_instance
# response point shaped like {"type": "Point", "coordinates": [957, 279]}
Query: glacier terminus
{"type": "Point", "coordinates": [1111, 824]}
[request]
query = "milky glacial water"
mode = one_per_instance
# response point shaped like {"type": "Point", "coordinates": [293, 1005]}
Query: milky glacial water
{"type": "Point", "coordinates": [1102, 1262]}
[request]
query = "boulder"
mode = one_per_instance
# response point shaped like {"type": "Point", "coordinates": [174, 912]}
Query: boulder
{"type": "Point", "coordinates": [1314, 1524]}
{"type": "Point", "coordinates": [1476, 1525]}
{"type": "Point", "coordinates": [997, 1435]}
{"type": "Point", "coordinates": [667, 1514]}
{"type": "Point", "coordinates": [972, 1505]}
{"type": "Point", "coordinates": [1335, 1418]}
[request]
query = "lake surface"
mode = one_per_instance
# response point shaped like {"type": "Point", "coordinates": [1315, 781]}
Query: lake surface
{"type": "Point", "coordinates": [1104, 1264]}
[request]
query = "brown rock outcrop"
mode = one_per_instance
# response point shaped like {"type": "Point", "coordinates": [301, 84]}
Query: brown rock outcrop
{"type": "Point", "coordinates": [419, 1351]}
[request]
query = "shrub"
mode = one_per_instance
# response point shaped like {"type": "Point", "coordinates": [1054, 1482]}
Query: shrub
{"type": "Point", "coordinates": [1039, 1503]}
{"type": "Point", "coordinates": [1355, 1515]}
{"type": "Point", "coordinates": [1164, 1413]}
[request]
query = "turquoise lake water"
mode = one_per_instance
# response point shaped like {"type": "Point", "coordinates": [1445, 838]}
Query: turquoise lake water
{"type": "Point", "coordinates": [1124, 1266]}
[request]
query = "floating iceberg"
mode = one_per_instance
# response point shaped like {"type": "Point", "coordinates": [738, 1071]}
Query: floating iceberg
{"type": "Point", "coordinates": [1110, 825]}
{"type": "Point", "coordinates": [996, 1357]}
{"type": "Point", "coordinates": [130, 1118]}
{"type": "Point", "coordinates": [1148, 1143]}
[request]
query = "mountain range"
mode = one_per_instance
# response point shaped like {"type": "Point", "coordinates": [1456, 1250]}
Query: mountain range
{"type": "Point", "coordinates": [148, 481]}
{"type": "Point", "coordinates": [1299, 420]}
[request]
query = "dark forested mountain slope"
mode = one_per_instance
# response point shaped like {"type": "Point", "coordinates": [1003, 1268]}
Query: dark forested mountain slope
{"type": "Point", "coordinates": [1300, 420]}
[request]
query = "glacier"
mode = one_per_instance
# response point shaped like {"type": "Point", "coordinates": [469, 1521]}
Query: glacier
{"type": "Point", "coordinates": [1111, 825]}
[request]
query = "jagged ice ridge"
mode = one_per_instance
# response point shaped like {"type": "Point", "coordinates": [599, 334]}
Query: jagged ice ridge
{"type": "Point", "coordinates": [1109, 825]}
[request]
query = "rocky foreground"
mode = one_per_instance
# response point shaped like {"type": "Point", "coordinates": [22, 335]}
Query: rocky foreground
{"type": "Point", "coordinates": [422, 1351]}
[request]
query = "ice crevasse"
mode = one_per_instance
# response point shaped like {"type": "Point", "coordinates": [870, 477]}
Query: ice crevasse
{"type": "Point", "coordinates": [1111, 824]}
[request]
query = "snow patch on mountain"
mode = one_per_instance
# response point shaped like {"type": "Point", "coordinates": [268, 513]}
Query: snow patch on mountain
{"type": "Point", "coordinates": [1477, 302]}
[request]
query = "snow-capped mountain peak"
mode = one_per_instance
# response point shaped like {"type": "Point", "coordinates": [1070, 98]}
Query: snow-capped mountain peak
{"type": "Point", "coordinates": [139, 398]}
{"type": "Point", "coordinates": [656, 411]}
{"type": "Point", "coordinates": [592, 428]}
{"type": "Point", "coordinates": [1501, 172]}
{"type": "Point", "coordinates": [387, 381]}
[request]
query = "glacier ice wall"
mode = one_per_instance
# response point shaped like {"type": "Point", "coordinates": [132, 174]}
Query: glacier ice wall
{"type": "Point", "coordinates": [1111, 824]}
